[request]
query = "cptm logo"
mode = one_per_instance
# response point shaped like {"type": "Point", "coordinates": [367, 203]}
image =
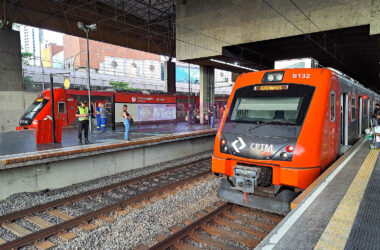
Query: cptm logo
{"type": "Point", "coordinates": [133, 99]}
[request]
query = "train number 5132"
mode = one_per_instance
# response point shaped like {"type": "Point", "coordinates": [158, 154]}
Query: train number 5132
{"type": "Point", "coordinates": [301, 75]}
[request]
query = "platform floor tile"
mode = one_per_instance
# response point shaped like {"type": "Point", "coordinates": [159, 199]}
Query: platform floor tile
{"type": "Point", "coordinates": [338, 230]}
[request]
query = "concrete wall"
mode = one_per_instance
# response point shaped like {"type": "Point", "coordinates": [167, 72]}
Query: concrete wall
{"type": "Point", "coordinates": [10, 63]}
{"type": "Point", "coordinates": [56, 174]}
{"type": "Point", "coordinates": [232, 22]}
{"type": "Point", "coordinates": [12, 106]}
{"type": "Point", "coordinates": [12, 99]}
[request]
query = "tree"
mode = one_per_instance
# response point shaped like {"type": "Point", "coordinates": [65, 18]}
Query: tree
{"type": "Point", "coordinates": [121, 85]}
{"type": "Point", "coordinates": [25, 57]}
{"type": "Point", "coordinates": [28, 83]}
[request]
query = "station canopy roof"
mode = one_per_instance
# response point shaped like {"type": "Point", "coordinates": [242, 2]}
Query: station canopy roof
{"type": "Point", "coordinates": [149, 25]}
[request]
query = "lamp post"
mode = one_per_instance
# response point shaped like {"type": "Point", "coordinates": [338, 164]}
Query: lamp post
{"type": "Point", "coordinates": [87, 28]}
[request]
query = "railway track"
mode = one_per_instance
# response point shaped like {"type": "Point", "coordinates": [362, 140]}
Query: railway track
{"type": "Point", "coordinates": [128, 192]}
{"type": "Point", "coordinates": [228, 226]}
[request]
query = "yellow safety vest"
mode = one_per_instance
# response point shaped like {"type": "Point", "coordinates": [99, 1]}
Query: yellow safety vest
{"type": "Point", "coordinates": [83, 111]}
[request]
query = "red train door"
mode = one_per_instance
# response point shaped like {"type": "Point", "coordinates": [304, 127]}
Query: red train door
{"type": "Point", "coordinates": [71, 110]}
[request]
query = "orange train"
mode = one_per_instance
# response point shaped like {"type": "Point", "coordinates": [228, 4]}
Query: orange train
{"type": "Point", "coordinates": [282, 128]}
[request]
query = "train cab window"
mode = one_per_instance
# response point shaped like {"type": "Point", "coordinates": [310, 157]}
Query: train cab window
{"type": "Point", "coordinates": [34, 108]}
{"type": "Point", "coordinates": [365, 103]}
{"type": "Point", "coordinates": [287, 106]}
{"type": "Point", "coordinates": [61, 107]}
{"type": "Point", "coordinates": [353, 109]}
{"type": "Point", "coordinates": [332, 106]}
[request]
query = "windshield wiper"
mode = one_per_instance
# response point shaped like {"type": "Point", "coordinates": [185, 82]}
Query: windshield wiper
{"type": "Point", "coordinates": [272, 122]}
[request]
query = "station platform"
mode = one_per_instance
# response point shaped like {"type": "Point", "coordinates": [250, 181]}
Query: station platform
{"type": "Point", "coordinates": [26, 167]}
{"type": "Point", "coordinates": [24, 141]}
{"type": "Point", "coordinates": [340, 210]}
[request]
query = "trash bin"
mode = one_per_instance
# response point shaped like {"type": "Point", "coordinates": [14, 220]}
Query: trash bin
{"type": "Point", "coordinates": [44, 132]}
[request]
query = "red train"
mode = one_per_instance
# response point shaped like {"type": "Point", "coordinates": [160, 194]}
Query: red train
{"type": "Point", "coordinates": [142, 106]}
{"type": "Point", "coordinates": [282, 128]}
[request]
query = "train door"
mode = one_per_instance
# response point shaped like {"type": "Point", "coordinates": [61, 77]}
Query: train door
{"type": "Point", "coordinates": [71, 110]}
{"type": "Point", "coordinates": [344, 121]}
{"type": "Point", "coordinates": [365, 114]}
{"type": "Point", "coordinates": [360, 116]}
{"type": "Point", "coordinates": [369, 115]}
{"type": "Point", "coordinates": [334, 126]}
{"type": "Point", "coordinates": [61, 112]}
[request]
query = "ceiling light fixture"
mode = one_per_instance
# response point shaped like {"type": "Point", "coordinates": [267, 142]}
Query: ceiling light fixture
{"type": "Point", "coordinates": [233, 65]}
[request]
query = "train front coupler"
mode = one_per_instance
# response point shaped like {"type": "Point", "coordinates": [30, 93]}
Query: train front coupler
{"type": "Point", "coordinates": [243, 189]}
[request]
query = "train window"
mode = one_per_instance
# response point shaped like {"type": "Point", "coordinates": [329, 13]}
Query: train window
{"type": "Point", "coordinates": [288, 106]}
{"type": "Point", "coordinates": [332, 106]}
{"type": "Point", "coordinates": [34, 108]}
{"type": "Point", "coordinates": [365, 103]}
{"type": "Point", "coordinates": [61, 107]}
{"type": "Point", "coordinates": [353, 109]}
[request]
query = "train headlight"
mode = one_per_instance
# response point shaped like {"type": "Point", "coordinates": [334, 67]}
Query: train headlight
{"type": "Point", "coordinates": [279, 77]}
{"type": "Point", "coordinates": [276, 76]}
{"type": "Point", "coordinates": [270, 77]}
{"type": "Point", "coordinates": [222, 142]}
{"type": "Point", "coordinates": [289, 148]}
{"type": "Point", "coordinates": [223, 145]}
{"type": "Point", "coordinates": [284, 155]}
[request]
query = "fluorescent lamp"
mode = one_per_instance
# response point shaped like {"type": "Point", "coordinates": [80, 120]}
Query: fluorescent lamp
{"type": "Point", "coordinates": [233, 65]}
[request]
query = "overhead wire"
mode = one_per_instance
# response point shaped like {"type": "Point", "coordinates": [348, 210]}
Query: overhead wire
{"type": "Point", "coordinates": [308, 35]}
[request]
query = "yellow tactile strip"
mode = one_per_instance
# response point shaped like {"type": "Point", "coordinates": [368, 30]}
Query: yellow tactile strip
{"type": "Point", "coordinates": [323, 176]}
{"type": "Point", "coordinates": [43, 156]}
{"type": "Point", "coordinates": [337, 231]}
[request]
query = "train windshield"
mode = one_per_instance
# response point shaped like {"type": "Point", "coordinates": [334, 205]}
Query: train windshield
{"type": "Point", "coordinates": [286, 105]}
{"type": "Point", "coordinates": [33, 109]}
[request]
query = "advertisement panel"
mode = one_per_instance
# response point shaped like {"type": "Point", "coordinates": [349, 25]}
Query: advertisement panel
{"type": "Point", "coordinates": [156, 112]}
{"type": "Point", "coordinates": [142, 112]}
{"type": "Point", "coordinates": [140, 98]}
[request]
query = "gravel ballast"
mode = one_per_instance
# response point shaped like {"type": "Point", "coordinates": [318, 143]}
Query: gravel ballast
{"type": "Point", "coordinates": [140, 226]}
{"type": "Point", "coordinates": [25, 200]}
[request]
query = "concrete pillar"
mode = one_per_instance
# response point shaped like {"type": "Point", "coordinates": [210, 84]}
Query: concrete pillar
{"type": "Point", "coordinates": [11, 95]}
{"type": "Point", "coordinates": [170, 80]}
{"type": "Point", "coordinates": [10, 63]}
{"type": "Point", "coordinates": [207, 91]}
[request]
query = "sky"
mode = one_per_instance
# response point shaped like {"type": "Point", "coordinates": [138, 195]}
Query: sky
{"type": "Point", "coordinates": [53, 37]}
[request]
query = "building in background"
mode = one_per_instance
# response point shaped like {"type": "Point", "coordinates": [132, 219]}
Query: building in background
{"type": "Point", "coordinates": [59, 60]}
{"type": "Point", "coordinates": [110, 59]}
{"type": "Point", "coordinates": [32, 40]}
{"type": "Point", "coordinates": [112, 67]}
{"type": "Point", "coordinates": [50, 58]}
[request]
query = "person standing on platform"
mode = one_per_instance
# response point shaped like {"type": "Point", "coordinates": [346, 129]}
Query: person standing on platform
{"type": "Point", "coordinates": [83, 121]}
{"type": "Point", "coordinates": [212, 115]}
{"type": "Point", "coordinates": [103, 117]}
{"type": "Point", "coordinates": [376, 115]}
{"type": "Point", "coordinates": [222, 111]}
{"type": "Point", "coordinates": [126, 117]}
{"type": "Point", "coordinates": [98, 120]}
{"type": "Point", "coordinates": [190, 114]}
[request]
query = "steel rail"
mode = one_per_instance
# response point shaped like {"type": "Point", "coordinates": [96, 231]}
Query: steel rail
{"type": "Point", "coordinates": [71, 199]}
{"type": "Point", "coordinates": [47, 232]}
{"type": "Point", "coordinates": [175, 237]}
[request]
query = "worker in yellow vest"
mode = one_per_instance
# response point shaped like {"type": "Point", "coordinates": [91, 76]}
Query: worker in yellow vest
{"type": "Point", "coordinates": [83, 121]}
